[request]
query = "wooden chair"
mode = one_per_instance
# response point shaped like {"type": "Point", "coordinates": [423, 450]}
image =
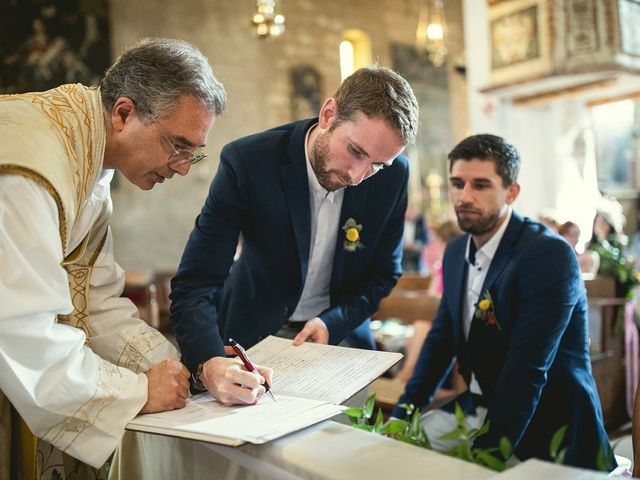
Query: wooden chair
{"type": "Point", "coordinates": [140, 289]}
{"type": "Point", "coordinates": [162, 279]}
{"type": "Point", "coordinates": [413, 282]}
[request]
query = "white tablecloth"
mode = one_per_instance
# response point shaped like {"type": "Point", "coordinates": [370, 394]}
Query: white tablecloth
{"type": "Point", "coordinates": [327, 451]}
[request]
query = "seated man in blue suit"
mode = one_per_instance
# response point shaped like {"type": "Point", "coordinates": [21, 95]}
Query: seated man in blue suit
{"type": "Point", "coordinates": [514, 315]}
{"type": "Point", "coordinates": [320, 204]}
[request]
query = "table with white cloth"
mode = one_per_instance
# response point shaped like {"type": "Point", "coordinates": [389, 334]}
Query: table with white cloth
{"type": "Point", "coordinates": [327, 451]}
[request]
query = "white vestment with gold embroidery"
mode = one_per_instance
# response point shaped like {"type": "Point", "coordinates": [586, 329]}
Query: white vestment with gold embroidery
{"type": "Point", "coordinates": [71, 350]}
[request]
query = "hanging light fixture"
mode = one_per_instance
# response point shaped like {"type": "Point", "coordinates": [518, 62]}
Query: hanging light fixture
{"type": "Point", "coordinates": [267, 22]}
{"type": "Point", "coordinates": [430, 32]}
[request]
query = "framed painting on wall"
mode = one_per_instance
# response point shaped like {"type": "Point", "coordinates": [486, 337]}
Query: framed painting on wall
{"type": "Point", "coordinates": [306, 92]}
{"type": "Point", "coordinates": [514, 38]}
{"type": "Point", "coordinates": [519, 40]}
{"type": "Point", "coordinates": [46, 44]}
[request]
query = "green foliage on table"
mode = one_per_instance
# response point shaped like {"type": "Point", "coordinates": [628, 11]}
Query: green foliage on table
{"type": "Point", "coordinates": [464, 448]}
{"type": "Point", "coordinates": [615, 263]}
{"type": "Point", "coordinates": [410, 431]}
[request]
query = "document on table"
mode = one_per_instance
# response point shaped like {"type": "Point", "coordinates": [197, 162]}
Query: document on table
{"type": "Point", "coordinates": [322, 372]}
{"type": "Point", "coordinates": [205, 419]}
{"type": "Point", "coordinates": [309, 381]}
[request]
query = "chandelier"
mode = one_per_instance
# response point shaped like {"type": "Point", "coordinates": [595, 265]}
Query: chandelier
{"type": "Point", "coordinates": [266, 21]}
{"type": "Point", "coordinates": [430, 32]}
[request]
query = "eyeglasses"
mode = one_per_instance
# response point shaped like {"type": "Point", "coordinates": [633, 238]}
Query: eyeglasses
{"type": "Point", "coordinates": [181, 155]}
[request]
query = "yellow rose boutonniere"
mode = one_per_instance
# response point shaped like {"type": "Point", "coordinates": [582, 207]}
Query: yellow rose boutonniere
{"type": "Point", "coordinates": [352, 235]}
{"type": "Point", "coordinates": [485, 310]}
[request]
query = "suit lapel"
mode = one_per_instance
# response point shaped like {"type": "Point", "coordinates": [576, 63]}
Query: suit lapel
{"type": "Point", "coordinates": [499, 262]}
{"type": "Point", "coordinates": [353, 206]}
{"type": "Point", "coordinates": [458, 293]}
{"type": "Point", "coordinates": [296, 189]}
{"type": "Point", "coordinates": [504, 252]}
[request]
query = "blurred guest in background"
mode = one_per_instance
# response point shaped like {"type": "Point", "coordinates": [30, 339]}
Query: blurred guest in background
{"type": "Point", "coordinates": [443, 233]}
{"type": "Point", "coordinates": [415, 238]}
{"type": "Point", "coordinates": [589, 261]}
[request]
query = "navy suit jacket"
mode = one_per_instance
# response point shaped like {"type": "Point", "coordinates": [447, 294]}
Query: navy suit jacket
{"type": "Point", "coordinates": [535, 370]}
{"type": "Point", "coordinates": [261, 189]}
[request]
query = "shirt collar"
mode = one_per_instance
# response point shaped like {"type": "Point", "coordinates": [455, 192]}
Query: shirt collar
{"type": "Point", "coordinates": [488, 249]}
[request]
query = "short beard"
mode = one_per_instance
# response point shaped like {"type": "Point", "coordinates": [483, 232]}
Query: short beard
{"type": "Point", "coordinates": [326, 177]}
{"type": "Point", "coordinates": [480, 226]}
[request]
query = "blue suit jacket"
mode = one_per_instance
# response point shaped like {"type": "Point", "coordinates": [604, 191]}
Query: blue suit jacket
{"type": "Point", "coordinates": [261, 189]}
{"type": "Point", "coordinates": [534, 372]}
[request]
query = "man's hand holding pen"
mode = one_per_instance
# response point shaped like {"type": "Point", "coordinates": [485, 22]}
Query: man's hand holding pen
{"type": "Point", "coordinates": [229, 381]}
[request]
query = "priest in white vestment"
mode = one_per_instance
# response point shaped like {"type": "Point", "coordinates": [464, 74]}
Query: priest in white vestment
{"type": "Point", "coordinates": [76, 362]}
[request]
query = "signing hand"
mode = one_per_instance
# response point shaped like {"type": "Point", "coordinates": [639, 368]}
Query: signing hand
{"type": "Point", "coordinates": [314, 331]}
{"type": "Point", "coordinates": [230, 382]}
{"type": "Point", "coordinates": [168, 386]}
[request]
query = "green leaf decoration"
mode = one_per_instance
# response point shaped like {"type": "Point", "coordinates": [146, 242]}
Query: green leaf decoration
{"type": "Point", "coordinates": [456, 434]}
{"type": "Point", "coordinates": [616, 263]}
{"type": "Point", "coordinates": [350, 223]}
{"type": "Point", "coordinates": [484, 428]}
{"type": "Point", "coordinates": [368, 409]}
{"type": "Point", "coordinates": [505, 447]}
{"type": "Point", "coordinates": [415, 423]}
{"type": "Point", "coordinates": [410, 431]}
{"type": "Point", "coordinates": [360, 426]}
{"type": "Point", "coordinates": [604, 458]}
{"type": "Point", "coordinates": [556, 440]}
{"type": "Point", "coordinates": [459, 413]}
{"type": "Point", "coordinates": [394, 426]}
{"type": "Point", "coordinates": [379, 423]}
{"type": "Point", "coordinates": [353, 412]}
{"type": "Point", "coordinates": [489, 460]}
{"type": "Point", "coordinates": [600, 462]}
{"type": "Point", "coordinates": [408, 408]}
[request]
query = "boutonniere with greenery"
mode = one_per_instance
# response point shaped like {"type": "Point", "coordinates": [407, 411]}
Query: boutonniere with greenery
{"type": "Point", "coordinates": [485, 310]}
{"type": "Point", "coordinates": [352, 235]}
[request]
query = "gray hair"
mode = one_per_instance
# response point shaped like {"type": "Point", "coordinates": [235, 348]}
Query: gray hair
{"type": "Point", "coordinates": [380, 93]}
{"type": "Point", "coordinates": [156, 72]}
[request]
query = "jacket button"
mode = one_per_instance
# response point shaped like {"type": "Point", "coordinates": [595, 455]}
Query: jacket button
{"type": "Point", "coordinates": [286, 311]}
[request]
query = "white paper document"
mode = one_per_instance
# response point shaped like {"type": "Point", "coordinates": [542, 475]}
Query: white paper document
{"type": "Point", "coordinates": [205, 419]}
{"type": "Point", "coordinates": [308, 383]}
{"type": "Point", "coordinates": [323, 372]}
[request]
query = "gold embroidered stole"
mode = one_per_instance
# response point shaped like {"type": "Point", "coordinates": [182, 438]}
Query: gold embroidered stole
{"type": "Point", "coordinates": [57, 139]}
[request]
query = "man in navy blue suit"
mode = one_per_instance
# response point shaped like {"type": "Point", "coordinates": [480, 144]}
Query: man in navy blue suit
{"type": "Point", "coordinates": [514, 315]}
{"type": "Point", "coordinates": [320, 245]}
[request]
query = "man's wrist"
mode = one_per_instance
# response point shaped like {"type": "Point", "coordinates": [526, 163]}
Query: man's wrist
{"type": "Point", "coordinates": [196, 380]}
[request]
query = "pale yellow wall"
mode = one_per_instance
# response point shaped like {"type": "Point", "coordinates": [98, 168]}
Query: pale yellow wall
{"type": "Point", "coordinates": [151, 228]}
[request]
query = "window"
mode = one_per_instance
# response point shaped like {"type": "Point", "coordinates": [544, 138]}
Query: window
{"type": "Point", "coordinates": [355, 51]}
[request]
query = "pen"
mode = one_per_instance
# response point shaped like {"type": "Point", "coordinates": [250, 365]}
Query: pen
{"type": "Point", "coordinates": [247, 363]}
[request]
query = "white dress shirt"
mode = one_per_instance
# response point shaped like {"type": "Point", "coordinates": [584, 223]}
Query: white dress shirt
{"type": "Point", "coordinates": [325, 224]}
{"type": "Point", "coordinates": [477, 272]}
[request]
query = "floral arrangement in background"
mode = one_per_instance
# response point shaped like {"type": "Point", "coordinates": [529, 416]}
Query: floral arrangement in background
{"type": "Point", "coordinates": [614, 262]}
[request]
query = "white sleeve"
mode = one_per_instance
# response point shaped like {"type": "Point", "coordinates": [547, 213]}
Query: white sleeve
{"type": "Point", "coordinates": [65, 393]}
{"type": "Point", "coordinates": [116, 332]}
